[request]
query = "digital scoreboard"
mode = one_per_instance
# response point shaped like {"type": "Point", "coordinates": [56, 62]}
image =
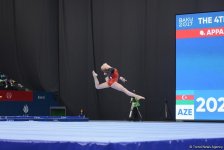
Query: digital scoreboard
{"type": "Point", "coordinates": [200, 66]}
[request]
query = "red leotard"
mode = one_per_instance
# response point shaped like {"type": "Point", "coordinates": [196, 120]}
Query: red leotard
{"type": "Point", "coordinates": [113, 77]}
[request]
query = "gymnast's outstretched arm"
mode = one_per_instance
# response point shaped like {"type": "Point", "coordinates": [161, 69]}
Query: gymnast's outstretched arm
{"type": "Point", "coordinates": [123, 79]}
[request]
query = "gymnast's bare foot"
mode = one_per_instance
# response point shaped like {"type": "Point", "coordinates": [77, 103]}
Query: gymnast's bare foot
{"type": "Point", "coordinates": [138, 97]}
{"type": "Point", "coordinates": [94, 74]}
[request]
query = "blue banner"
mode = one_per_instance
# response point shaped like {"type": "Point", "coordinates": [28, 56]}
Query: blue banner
{"type": "Point", "coordinates": [199, 66]}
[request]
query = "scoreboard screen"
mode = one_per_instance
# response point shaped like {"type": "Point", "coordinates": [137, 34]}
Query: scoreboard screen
{"type": "Point", "coordinates": [200, 66]}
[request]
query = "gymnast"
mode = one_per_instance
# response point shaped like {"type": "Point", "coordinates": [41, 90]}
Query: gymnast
{"type": "Point", "coordinates": [112, 77]}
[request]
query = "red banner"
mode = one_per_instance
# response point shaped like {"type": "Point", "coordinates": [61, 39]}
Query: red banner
{"type": "Point", "coordinates": [8, 95]}
{"type": "Point", "coordinates": [199, 33]}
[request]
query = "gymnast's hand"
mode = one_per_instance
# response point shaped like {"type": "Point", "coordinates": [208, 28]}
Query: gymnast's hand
{"type": "Point", "coordinates": [106, 79]}
{"type": "Point", "coordinates": [123, 79]}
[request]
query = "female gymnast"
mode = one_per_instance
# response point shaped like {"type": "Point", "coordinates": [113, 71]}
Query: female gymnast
{"type": "Point", "coordinates": [112, 76]}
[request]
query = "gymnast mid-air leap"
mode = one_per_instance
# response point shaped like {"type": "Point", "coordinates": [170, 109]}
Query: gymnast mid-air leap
{"type": "Point", "coordinates": [112, 77]}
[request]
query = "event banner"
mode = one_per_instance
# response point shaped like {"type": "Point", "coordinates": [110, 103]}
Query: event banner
{"type": "Point", "coordinates": [200, 66]}
{"type": "Point", "coordinates": [26, 103]}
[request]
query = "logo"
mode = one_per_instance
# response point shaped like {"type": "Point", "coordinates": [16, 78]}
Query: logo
{"type": "Point", "coordinates": [25, 109]}
{"type": "Point", "coordinates": [9, 95]}
{"type": "Point", "coordinates": [186, 21]}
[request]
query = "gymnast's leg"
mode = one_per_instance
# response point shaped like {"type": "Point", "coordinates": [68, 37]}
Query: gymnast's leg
{"type": "Point", "coordinates": [97, 84]}
{"type": "Point", "coordinates": [120, 87]}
